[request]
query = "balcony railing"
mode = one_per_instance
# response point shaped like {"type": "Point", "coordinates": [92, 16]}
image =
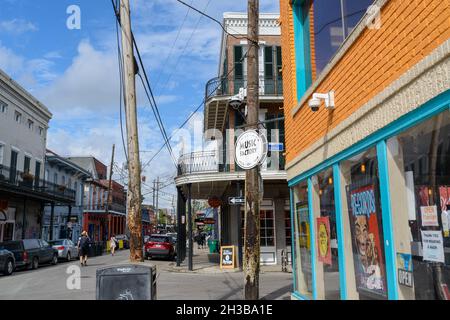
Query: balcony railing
{"type": "Point", "coordinates": [102, 207]}
{"type": "Point", "coordinates": [228, 86]}
{"type": "Point", "coordinates": [203, 161]}
{"type": "Point", "coordinates": [210, 162]}
{"type": "Point", "coordinates": [26, 181]}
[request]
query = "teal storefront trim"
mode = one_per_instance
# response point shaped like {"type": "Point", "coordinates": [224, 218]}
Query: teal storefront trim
{"type": "Point", "coordinates": [302, 47]}
{"type": "Point", "coordinates": [429, 109]}
{"type": "Point", "coordinates": [293, 243]}
{"type": "Point", "coordinates": [378, 139]}
{"type": "Point", "coordinates": [388, 228]}
{"type": "Point", "coordinates": [299, 296]}
{"type": "Point", "coordinates": [312, 238]}
{"type": "Point", "coordinates": [340, 231]}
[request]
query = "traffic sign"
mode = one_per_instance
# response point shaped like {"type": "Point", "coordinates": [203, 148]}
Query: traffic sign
{"type": "Point", "coordinates": [236, 200]}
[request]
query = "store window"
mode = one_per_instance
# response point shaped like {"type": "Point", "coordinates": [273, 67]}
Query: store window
{"type": "Point", "coordinates": [421, 190]}
{"type": "Point", "coordinates": [326, 234]}
{"type": "Point", "coordinates": [363, 218]}
{"type": "Point", "coordinates": [333, 22]}
{"type": "Point", "coordinates": [267, 228]}
{"type": "Point", "coordinates": [302, 242]}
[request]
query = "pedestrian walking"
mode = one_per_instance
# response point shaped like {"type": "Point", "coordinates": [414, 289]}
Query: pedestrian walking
{"type": "Point", "coordinates": [198, 239]}
{"type": "Point", "coordinates": [84, 243]}
{"type": "Point", "coordinates": [113, 244]}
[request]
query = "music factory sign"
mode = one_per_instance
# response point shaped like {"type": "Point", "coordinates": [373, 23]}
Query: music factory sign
{"type": "Point", "coordinates": [251, 149]}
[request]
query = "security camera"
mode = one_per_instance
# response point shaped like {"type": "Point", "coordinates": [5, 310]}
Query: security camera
{"type": "Point", "coordinates": [314, 104]}
{"type": "Point", "coordinates": [237, 100]}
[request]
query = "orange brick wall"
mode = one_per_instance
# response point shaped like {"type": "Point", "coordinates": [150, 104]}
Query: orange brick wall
{"type": "Point", "coordinates": [410, 31]}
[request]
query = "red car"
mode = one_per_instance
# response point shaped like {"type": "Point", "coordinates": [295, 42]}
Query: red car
{"type": "Point", "coordinates": [161, 246]}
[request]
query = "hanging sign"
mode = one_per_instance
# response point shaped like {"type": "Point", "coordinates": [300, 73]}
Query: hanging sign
{"type": "Point", "coordinates": [404, 268]}
{"type": "Point", "coordinates": [323, 240]}
{"type": "Point", "coordinates": [251, 149]}
{"type": "Point", "coordinates": [429, 216]}
{"type": "Point", "coordinates": [227, 257]}
{"type": "Point", "coordinates": [433, 246]}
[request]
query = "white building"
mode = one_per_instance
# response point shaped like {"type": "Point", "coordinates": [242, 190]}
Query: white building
{"type": "Point", "coordinates": [23, 190]}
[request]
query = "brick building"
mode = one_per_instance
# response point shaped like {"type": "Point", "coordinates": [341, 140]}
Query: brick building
{"type": "Point", "coordinates": [369, 179]}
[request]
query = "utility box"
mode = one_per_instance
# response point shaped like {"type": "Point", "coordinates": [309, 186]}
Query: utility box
{"type": "Point", "coordinates": [126, 282]}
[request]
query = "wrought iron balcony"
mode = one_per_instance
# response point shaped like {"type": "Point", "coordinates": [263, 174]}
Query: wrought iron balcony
{"type": "Point", "coordinates": [117, 207]}
{"type": "Point", "coordinates": [26, 182]}
{"type": "Point", "coordinates": [228, 86]}
{"type": "Point", "coordinates": [209, 162]}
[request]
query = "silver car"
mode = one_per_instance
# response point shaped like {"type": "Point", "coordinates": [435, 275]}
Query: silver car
{"type": "Point", "coordinates": [66, 248]}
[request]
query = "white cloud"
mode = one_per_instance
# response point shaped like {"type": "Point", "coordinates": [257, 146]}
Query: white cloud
{"type": "Point", "coordinates": [17, 26]}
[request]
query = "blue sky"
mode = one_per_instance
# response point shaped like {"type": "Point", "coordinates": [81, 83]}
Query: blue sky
{"type": "Point", "coordinates": [74, 72]}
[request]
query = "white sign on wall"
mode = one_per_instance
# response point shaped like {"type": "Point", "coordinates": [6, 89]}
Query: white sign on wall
{"type": "Point", "coordinates": [433, 246]}
{"type": "Point", "coordinates": [251, 149]}
{"type": "Point", "coordinates": [429, 216]}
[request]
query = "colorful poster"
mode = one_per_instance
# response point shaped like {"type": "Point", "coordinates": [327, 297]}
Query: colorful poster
{"type": "Point", "coordinates": [433, 246]}
{"type": "Point", "coordinates": [323, 240]}
{"type": "Point", "coordinates": [429, 216]}
{"type": "Point", "coordinates": [366, 240]}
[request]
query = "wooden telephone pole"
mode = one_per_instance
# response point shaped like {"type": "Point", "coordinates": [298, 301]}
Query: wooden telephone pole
{"type": "Point", "coordinates": [252, 192]}
{"type": "Point", "coordinates": [134, 169]}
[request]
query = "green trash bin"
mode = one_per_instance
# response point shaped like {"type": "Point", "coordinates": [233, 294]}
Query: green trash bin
{"type": "Point", "coordinates": [214, 246]}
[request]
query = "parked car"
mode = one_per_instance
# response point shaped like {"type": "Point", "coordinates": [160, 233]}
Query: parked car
{"type": "Point", "coordinates": [160, 245]}
{"type": "Point", "coordinates": [7, 262]}
{"type": "Point", "coordinates": [29, 253]}
{"type": "Point", "coordinates": [125, 239]}
{"type": "Point", "coordinates": [66, 248]}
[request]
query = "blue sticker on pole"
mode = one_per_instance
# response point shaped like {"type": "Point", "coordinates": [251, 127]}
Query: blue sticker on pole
{"type": "Point", "coordinates": [276, 146]}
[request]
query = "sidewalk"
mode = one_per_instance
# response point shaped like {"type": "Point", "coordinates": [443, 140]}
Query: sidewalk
{"type": "Point", "coordinates": [201, 264]}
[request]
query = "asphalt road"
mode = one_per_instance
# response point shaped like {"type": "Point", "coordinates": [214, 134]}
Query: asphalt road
{"type": "Point", "coordinates": [50, 282]}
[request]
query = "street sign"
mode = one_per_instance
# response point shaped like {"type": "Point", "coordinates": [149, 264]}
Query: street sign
{"type": "Point", "coordinates": [236, 200]}
{"type": "Point", "coordinates": [275, 146]}
{"type": "Point", "coordinates": [251, 149]}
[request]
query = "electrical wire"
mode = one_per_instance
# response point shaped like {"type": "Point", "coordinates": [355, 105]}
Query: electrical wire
{"type": "Point", "coordinates": [184, 49]}
{"type": "Point", "coordinates": [149, 93]}
{"type": "Point", "coordinates": [173, 45]}
{"type": "Point", "coordinates": [193, 113]}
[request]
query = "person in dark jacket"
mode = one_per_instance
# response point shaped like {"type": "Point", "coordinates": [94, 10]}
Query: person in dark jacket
{"type": "Point", "coordinates": [84, 242]}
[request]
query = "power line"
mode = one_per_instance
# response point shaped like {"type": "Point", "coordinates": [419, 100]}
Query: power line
{"type": "Point", "coordinates": [193, 113]}
{"type": "Point", "coordinates": [218, 22]}
{"type": "Point", "coordinates": [152, 101]}
{"type": "Point", "coordinates": [173, 45]}
{"type": "Point", "coordinates": [184, 49]}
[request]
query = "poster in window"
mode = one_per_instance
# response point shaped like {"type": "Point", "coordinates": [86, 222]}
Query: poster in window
{"type": "Point", "coordinates": [365, 221]}
{"type": "Point", "coordinates": [323, 240]}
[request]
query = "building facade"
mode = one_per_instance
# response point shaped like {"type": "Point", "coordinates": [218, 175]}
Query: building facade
{"type": "Point", "coordinates": [212, 174]}
{"type": "Point", "coordinates": [24, 192]}
{"type": "Point", "coordinates": [101, 218]}
{"type": "Point", "coordinates": [64, 222]}
{"type": "Point", "coordinates": [369, 179]}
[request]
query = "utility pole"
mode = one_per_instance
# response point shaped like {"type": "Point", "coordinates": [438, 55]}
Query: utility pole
{"type": "Point", "coordinates": [109, 190]}
{"type": "Point", "coordinates": [134, 168]}
{"type": "Point", "coordinates": [252, 176]}
{"type": "Point", "coordinates": [157, 205]}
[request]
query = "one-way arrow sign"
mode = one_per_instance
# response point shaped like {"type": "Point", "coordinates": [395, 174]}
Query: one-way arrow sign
{"type": "Point", "coordinates": [236, 200]}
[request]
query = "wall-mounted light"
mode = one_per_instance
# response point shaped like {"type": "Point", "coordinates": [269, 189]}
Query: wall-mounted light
{"type": "Point", "coordinates": [314, 102]}
{"type": "Point", "coordinates": [330, 180]}
{"type": "Point", "coordinates": [363, 168]}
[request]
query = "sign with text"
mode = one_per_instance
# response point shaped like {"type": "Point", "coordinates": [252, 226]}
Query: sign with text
{"type": "Point", "coordinates": [433, 246]}
{"type": "Point", "coordinates": [209, 221]}
{"type": "Point", "coordinates": [236, 200]}
{"type": "Point", "coordinates": [250, 149]}
{"type": "Point", "coordinates": [366, 228]}
{"type": "Point", "coordinates": [429, 216]}
{"type": "Point", "coordinates": [227, 257]}
{"type": "Point", "coordinates": [275, 146]}
{"type": "Point", "coordinates": [405, 271]}
{"type": "Point", "coordinates": [323, 240]}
